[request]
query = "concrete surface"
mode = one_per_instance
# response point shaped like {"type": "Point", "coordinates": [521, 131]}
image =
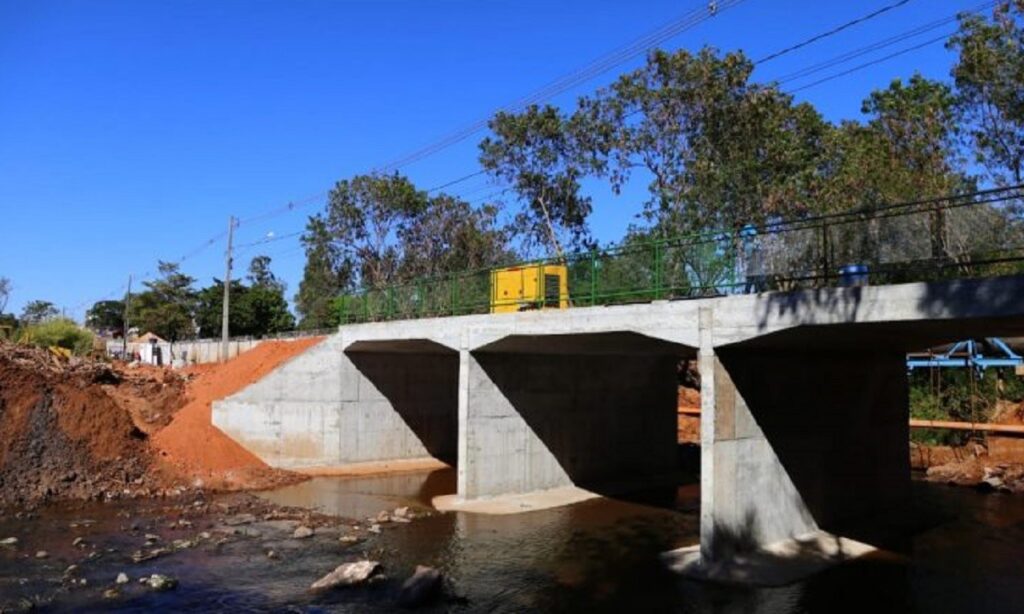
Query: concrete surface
{"type": "Point", "coordinates": [515, 504]}
{"type": "Point", "coordinates": [777, 564]}
{"type": "Point", "coordinates": [805, 393]}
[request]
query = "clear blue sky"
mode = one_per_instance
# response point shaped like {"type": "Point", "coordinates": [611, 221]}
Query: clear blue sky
{"type": "Point", "coordinates": [130, 131]}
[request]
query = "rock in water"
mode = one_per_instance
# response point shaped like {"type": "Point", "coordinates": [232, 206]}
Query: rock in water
{"type": "Point", "coordinates": [160, 582]}
{"type": "Point", "coordinates": [9, 541]}
{"type": "Point", "coordinates": [347, 574]}
{"type": "Point", "coordinates": [122, 578]}
{"type": "Point", "coordinates": [422, 587]}
{"type": "Point", "coordinates": [302, 532]}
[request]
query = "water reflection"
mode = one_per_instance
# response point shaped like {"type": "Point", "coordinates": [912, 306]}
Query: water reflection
{"type": "Point", "coordinates": [602, 555]}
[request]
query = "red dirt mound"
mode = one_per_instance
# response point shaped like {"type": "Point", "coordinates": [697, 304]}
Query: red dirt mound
{"type": "Point", "coordinates": [193, 448]}
{"type": "Point", "coordinates": [63, 436]}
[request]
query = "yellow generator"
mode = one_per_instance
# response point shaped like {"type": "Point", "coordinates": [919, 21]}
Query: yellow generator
{"type": "Point", "coordinates": [536, 286]}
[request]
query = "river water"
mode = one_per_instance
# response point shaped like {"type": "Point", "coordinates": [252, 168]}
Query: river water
{"type": "Point", "coordinates": [596, 556]}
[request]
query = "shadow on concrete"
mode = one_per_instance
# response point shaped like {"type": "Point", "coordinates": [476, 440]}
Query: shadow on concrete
{"type": "Point", "coordinates": [420, 380]}
{"type": "Point", "coordinates": [845, 302]}
{"type": "Point", "coordinates": [989, 297]}
{"type": "Point", "coordinates": [836, 421]}
{"type": "Point", "coordinates": [602, 405]}
{"type": "Point", "coordinates": [979, 304]}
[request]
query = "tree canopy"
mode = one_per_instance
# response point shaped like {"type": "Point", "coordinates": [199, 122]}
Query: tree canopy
{"type": "Point", "coordinates": [38, 311]}
{"type": "Point", "coordinates": [989, 77]}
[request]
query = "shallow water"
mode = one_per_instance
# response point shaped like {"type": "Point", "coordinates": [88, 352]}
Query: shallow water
{"type": "Point", "coordinates": [596, 556]}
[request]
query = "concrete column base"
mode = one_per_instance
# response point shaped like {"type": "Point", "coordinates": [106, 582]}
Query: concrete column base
{"type": "Point", "coordinates": [781, 563]}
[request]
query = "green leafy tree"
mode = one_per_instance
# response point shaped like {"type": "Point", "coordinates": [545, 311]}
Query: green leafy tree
{"type": "Point", "coordinates": [448, 236]}
{"type": "Point", "coordinates": [38, 311]}
{"type": "Point", "coordinates": [536, 153]}
{"type": "Point", "coordinates": [261, 275]}
{"type": "Point", "coordinates": [365, 216]}
{"type": "Point", "coordinates": [209, 310]}
{"type": "Point", "coordinates": [327, 273]}
{"type": "Point", "coordinates": [906, 151]}
{"type": "Point", "coordinates": [105, 315]}
{"type": "Point", "coordinates": [719, 151]}
{"type": "Point", "coordinates": [989, 76]}
{"type": "Point", "coordinates": [167, 306]}
{"type": "Point", "coordinates": [265, 300]}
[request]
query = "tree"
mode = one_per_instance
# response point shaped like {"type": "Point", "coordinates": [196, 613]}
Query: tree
{"type": "Point", "coordinates": [327, 274]}
{"type": "Point", "coordinates": [105, 315]}
{"type": "Point", "coordinates": [720, 151]}
{"type": "Point", "coordinates": [37, 311]}
{"type": "Point", "coordinates": [261, 275]}
{"type": "Point", "coordinates": [450, 235]}
{"type": "Point", "coordinates": [209, 310]}
{"type": "Point", "coordinates": [167, 306]}
{"type": "Point", "coordinates": [265, 299]}
{"type": "Point", "coordinates": [5, 293]}
{"type": "Point", "coordinates": [267, 309]}
{"type": "Point", "coordinates": [365, 216]}
{"type": "Point", "coordinates": [989, 76]}
{"type": "Point", "coordinates": [536, 153]}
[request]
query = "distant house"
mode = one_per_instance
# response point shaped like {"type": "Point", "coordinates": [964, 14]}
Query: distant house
{"type": "Point", "coordinates": [153, 350]}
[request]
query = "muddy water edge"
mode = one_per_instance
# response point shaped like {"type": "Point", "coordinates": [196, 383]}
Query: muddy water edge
{"type": "Point", "coordinates": [237, 552]}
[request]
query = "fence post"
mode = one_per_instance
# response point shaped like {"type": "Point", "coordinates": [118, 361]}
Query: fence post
{"type": "Point", "coordinates": [452, 283]}
{"type": "Point", "coordinates": [825, 268]}
{"type": "Point", "coordinates": [593, 277]}
{"type": "Point", "coordinates": [657, 270]}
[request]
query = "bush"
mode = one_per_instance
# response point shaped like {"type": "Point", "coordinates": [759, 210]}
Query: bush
{"type": "Point", "coordinates": [60, 332]}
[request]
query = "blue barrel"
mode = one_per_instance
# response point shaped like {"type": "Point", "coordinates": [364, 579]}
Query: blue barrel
{"type": "Point", "coordinates": [853, 275]}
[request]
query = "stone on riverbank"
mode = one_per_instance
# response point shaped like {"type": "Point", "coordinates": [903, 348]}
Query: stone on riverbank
{"type": "Point", "coordinates": [347, 574]}
{"type": "Point", "coordinates": [423, 586]}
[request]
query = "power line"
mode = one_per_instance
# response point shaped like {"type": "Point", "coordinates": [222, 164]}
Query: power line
{"type": "Point", "coordinates": [456, 181]}
{"type": "Point", "coordinates": [872, 63]}
{"type": "Point", "coordinates": [833, 31]}
{"type": "Point", "coordinates": [596, 68]}
{"type": "Point", "coordinates": [887, 42]}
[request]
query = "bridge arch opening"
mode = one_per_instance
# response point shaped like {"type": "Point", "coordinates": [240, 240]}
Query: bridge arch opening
{"type": "Point", "coordinates": [597, 411]}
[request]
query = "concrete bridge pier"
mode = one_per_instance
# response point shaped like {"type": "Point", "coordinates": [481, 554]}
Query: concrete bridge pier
{"type": "Point", "coordinates": [799, 444]}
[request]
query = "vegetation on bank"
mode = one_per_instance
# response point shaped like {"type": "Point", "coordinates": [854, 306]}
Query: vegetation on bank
{"type": "Point", "coordinates": [961, 395]}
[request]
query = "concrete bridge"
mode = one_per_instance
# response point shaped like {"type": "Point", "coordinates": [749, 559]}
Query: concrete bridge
{"type": "Point", "coordinates": [804, 402]}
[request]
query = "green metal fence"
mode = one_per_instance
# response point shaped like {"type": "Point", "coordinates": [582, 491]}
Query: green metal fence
{"type": "Point", "coordinates": [969, 235]}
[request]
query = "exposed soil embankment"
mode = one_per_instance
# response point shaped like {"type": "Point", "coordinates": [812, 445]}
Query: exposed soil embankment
{"type": "Point", "coordinates": [63, 434]}
{"type": "Point", "coordinates": [996, 463]}
{"type": "Point", "coordinates": [83, 429]}
{"type": "Point", "coordinates": [192, 447]}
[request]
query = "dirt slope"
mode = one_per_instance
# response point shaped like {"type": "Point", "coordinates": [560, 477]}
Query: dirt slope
{"type": "Point", "coordinates": [84, 429]}
{"type": "Point", "coordinates": [193, 448]}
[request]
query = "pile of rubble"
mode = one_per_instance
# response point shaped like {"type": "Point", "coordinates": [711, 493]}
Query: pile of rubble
{"type": "Point", "coordinates": [64, 435]}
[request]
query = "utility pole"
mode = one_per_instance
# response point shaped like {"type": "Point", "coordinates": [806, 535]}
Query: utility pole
{"type": "Point", "coordinates": [124, 333]}
{"type": "Point", "coordinates": [224, 332]}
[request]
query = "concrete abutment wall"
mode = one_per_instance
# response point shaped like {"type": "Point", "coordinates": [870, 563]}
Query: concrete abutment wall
{"type": "Point", "coordinates": [335, 407]}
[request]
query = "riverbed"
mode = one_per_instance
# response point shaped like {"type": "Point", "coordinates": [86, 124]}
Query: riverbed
{"type": "Point", "coordinates": [596, 556]}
